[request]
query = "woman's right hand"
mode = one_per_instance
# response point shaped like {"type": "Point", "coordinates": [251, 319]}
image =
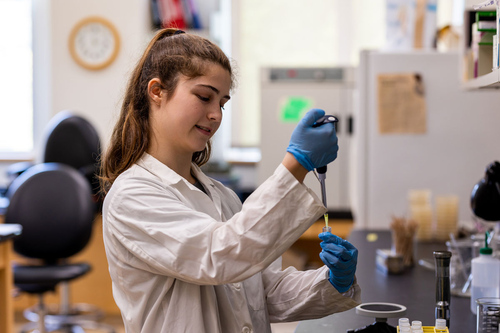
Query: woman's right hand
{"type": "Point", "coordinates": [314, 147]}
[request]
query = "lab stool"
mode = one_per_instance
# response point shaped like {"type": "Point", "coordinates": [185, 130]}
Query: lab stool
{"type": "Point", "coordinates": [77, 318]}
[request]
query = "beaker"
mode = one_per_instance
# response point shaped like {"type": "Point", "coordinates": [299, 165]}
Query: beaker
{"type": "Point", "coordinates": [488, 314]}
{"type": "Point", "coordinates": [460, 265]}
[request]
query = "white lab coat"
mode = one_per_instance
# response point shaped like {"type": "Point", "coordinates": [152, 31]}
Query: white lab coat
{"type": "Point", "coordinates": [184, 261]}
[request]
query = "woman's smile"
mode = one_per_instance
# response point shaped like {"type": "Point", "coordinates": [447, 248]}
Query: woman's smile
{"type": "Point", "coordinates": [204, 130]}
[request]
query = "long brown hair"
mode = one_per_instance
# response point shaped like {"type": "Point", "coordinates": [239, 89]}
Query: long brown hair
{"type": "Point", "coordinates": [170, 53]}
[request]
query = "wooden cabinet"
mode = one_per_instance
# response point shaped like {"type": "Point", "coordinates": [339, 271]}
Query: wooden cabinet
{"type": "Point", "coordinates": [6, 306]}
{"type": "Point", "coordinates": [7, 232]}
{"type": "Point", "coordinates": [93, 288]}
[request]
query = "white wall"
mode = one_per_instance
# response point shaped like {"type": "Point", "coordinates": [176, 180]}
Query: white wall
{"type": "Point", "coordinates": [94, 94]}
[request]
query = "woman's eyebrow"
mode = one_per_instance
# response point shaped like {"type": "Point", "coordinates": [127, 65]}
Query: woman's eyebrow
{"type": "Point", "coordinates": [214, 89]}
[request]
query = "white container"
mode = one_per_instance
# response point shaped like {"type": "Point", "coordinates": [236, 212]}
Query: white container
{"type": "Point", "coordinates": [485, 277]}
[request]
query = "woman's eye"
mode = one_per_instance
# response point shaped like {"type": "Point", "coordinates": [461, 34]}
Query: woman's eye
{"type": "Point", "coordinates": [204, 99]}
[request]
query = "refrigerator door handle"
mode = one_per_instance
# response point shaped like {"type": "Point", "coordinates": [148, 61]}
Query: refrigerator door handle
{"type": "Point", "coordinates": [350, 125]}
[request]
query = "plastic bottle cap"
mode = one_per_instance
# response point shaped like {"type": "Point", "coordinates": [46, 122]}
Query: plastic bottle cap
{"type": "Point", "coordinates": [486, 249]}
{"type": "Point", "coordinates": [404, 322]}
{"type": "Point", "coordinates": [440, 323]}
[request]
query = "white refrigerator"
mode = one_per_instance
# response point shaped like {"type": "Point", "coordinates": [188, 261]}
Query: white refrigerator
{"type": "Point", "coordinates": [287, 93]}
{"type": "Point", "coordinates": [461, 137]}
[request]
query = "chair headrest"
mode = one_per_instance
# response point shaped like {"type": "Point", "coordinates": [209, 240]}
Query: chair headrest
{"type": "Point", "coordinates": [72, 140]}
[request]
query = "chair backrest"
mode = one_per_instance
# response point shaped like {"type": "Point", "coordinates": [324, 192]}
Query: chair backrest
{"type": "Point", "coordinates": [53, 203]}
{"type": "Point", "coordinates": [70, 139]}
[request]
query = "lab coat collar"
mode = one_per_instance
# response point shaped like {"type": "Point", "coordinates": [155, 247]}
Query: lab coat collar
{"type": "Point", "coordinates": [210, 187]}
{"type": "Point", "coordinates": [201, 176]}
{"type": "Point", "coordinates": [170, 177]}
{"type": "Point", "coordinates": [167, 175]}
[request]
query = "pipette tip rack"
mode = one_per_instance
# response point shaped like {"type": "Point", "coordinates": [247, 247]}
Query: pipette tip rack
{"type": "Point", "coordinates": [432, 329]}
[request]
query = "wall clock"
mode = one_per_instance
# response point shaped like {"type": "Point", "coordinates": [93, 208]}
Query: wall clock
{"type": "Point", "coordinates": [94, 43]}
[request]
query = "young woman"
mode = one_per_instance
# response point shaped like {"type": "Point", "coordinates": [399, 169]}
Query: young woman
{"type": "Point", "coordinates": [184, 254]}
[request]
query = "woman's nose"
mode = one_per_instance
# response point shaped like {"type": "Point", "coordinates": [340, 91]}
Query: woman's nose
{"type": "Point", "coordinates": [215, 113]}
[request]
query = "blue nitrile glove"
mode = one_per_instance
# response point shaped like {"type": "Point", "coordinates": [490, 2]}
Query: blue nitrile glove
{"type": "Point", "coordinates": [313, 147]}
{"type": "Point", "coordinates": [341, 257]}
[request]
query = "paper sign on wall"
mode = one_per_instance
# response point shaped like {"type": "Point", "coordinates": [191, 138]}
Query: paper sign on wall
{"type": "Point", "coordinates": [293, 108]}
{"type": "Point", "coordinates": [401, 104]}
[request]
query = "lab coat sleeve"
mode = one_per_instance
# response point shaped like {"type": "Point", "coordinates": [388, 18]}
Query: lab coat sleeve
{"type": "Point", "coordinates": [160, 232]}
{"type": "Point", "coordinates": [294, 295]}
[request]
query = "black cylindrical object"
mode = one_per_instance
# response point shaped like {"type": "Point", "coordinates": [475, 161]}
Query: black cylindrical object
{"type": "Point", "coordinates": [485, 196]}
{"type": "Point", "coordinates": [443, 290]}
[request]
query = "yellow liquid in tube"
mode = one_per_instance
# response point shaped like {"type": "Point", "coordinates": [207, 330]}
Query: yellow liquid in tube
{"type": "Point", "coordinates": [326, 228]}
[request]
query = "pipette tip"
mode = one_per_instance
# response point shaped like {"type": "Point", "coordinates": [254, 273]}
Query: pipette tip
{"type": "Point", "coordinates": [326, 228]}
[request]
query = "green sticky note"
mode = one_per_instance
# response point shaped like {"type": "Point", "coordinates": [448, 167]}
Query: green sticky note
{"type": "Point", "coordinates": [294, 108]}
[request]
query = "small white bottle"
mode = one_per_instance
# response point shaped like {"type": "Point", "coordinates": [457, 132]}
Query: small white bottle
{"type": "Point", "coordinates": [485, 276]}
{"type": "Point", "coordinates": [416, 326]}
{"type": "Point", "coordinates": [404, 325]}
{"type": "Point", "coordinates": [404, 322]}
{"type": "Point", "coordinates": [440, 325]}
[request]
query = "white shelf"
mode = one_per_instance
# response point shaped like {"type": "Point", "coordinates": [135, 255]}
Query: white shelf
{"type": "Point", "coordinates": [490, 80]}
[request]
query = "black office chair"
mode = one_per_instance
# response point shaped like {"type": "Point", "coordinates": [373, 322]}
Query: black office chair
{"type": "Point", "coordinates": [53, 204]}
{"type": "Point", "coordinates": [72, 140]}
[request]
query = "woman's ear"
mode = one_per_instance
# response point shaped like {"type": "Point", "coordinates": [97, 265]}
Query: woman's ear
{"type": "Point", "coordinates": [155, 90]}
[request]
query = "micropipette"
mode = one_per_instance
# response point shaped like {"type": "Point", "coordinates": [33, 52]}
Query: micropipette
{"type": "Point", "coordinates": [322, 170]}
{"type": "Point", "coordinates": [322, 178]}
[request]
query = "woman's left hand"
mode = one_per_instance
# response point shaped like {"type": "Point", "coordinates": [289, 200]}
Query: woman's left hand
{"type": "Point", "coordinates": [341, 257]}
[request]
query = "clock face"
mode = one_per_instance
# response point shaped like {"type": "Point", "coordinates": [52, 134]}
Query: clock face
{"type": "Point", "coordinates": [94, 43]}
